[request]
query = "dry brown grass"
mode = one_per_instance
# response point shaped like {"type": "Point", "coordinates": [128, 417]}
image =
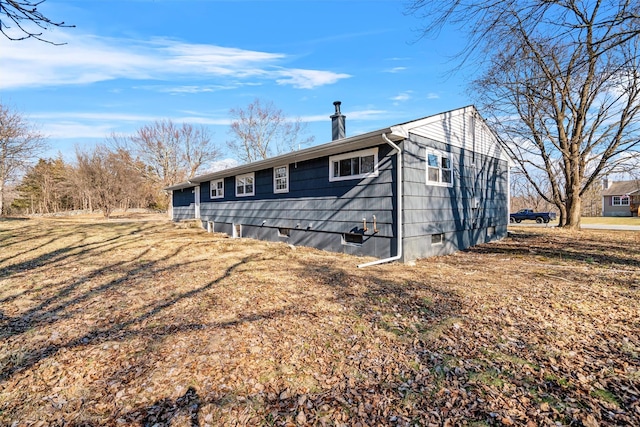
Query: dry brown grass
{"type": "Point", "coordinates": [151, 323]}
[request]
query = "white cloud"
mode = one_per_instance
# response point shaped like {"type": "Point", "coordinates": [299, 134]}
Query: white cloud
{"type": "Point", "coordinates": [71, 130]}
{"type": "Point", "coordinates": [71, 125]}
{"type": "Point", "coordinates": [89, 59]}
{"type": "Point", "coordinates": [308, 79]}
{"type": "Point", "coordinates": [367, 114]}
{"type": "Point", "coordinates": [403, 96]}
{"type": "Point", "coordinates": [220, 165]}
{"type": "Point", "coordinates": [112, 117]}
{"type": "Point", "coordinates": [200, 120]}
{"type": "Point", "coordinates": [396, 70]}
{"type": "Point", "coordinates": [433, 95]}
{"type": "Point", "coordinates": [194, 89]}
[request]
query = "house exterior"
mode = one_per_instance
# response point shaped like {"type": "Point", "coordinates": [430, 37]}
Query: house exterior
{"type": "Point", "coordinates": [620, 198]}
{"type": "Point", "coordinates": [427, 187]}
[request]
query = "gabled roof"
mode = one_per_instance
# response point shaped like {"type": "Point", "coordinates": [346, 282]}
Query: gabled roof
{"type": "Point", "coordinates": [620, 188]}
{"type": "Point", "coordinates": [394, 133]}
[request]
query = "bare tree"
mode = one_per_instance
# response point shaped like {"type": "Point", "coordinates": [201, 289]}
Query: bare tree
{"type": "Point", "coordinates": [172, 153]}
{"type": "Point", "coordinates": [109, 177]}
{"type": "Point", "coordinates": [262, 130]}
{"type": "Point", "coordinates": [560, 83]}
{"type": "Point", "coordinates": [525, 195]}
{"type": "Point", "coordinates": [20, 145]}
{"type": "Point", "coordinates": [24, 20]}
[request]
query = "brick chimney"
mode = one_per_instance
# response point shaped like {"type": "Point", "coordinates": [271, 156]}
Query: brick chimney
{"type": "Point", "coordinates": [605, 182]}
{"type": "Point", "coordinates": [338, 123]}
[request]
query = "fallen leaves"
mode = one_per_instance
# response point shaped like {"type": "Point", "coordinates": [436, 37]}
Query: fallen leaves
{"type": "Point", "coordinates": [144, 323]}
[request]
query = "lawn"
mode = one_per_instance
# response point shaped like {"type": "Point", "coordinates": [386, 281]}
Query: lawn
{"type": "Point", "coordinates": [611, 220]}
{"type": "Point", "coordinates": [150, 323]}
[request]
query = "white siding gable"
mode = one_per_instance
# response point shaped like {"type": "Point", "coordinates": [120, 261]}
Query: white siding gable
{"type": "Point", "coordinates": [462, 128]}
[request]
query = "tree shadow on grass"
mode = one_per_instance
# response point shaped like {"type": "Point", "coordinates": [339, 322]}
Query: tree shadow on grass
{"type": "Point", "coordinates": [164, 411]}
{"type": "Point", "coordinates": [565, 247]}
{"type": "Point", "coordinates": [81, 246]}
{"type": "Point", "coordinates": [31, 358]}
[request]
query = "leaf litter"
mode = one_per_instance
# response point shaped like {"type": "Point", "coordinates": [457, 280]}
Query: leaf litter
{"type": "Point", "coordinates": [149, 323]}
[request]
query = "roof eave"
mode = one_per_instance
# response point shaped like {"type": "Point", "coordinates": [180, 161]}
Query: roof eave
{"type": "Point", "coordinates": [334, 147]}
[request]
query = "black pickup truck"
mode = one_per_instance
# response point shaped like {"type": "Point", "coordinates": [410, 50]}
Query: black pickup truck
{"type": "Point", "coordinates": [538, 217]}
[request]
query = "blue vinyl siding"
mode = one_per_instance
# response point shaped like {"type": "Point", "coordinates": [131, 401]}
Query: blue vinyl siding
{"type": "Point", "coordinates": [319, 211]}
{"type": "Point", "coordinates": [452, 211]}
{"type": "Point", "coordinates": [311, 179]}
{"type": "Point", "coordinates": [183, 197]}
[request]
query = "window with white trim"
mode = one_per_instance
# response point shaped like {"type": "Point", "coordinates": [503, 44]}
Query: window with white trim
{"type": "Point", "coordinates": [281, 179]}
{"type": "Point", "coordinates": [620, 201]}
{"type": "Point", "coordinates": [217, 189]}
{"type": "Point", "coordinates": [439, 170]}
{"type": "Point", "coordinates": [359, 164]}
{"type": "Point", "coordinates": [245, 185]}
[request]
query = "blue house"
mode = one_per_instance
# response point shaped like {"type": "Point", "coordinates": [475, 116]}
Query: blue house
{"type": "Point", "coordinates": [427, 187]}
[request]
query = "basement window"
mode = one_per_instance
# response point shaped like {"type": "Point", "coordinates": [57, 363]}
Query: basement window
{"type": "Point", "coordinates": [359, 164]}
{"type": "Point", "coordinates": [284, 232]}
{"type": "Point", "coordinates": [437, 239]}
{"type": "Point", "coordinates": [237, 231]}
{"type": "Point", "coordinates": [352, 239]}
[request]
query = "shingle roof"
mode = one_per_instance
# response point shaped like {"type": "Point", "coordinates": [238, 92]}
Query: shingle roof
{"type": "Point", "coordinates": [395, 133]}
{"type": "Point", "coordinates": [620, 188]}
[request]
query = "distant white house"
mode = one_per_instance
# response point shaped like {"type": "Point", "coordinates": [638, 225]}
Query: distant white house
{"type": "Point", "coordinates": [620, 198]}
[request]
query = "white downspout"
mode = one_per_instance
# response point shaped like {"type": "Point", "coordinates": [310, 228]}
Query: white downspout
{"type": "Point", "coordinates": [399, 207]}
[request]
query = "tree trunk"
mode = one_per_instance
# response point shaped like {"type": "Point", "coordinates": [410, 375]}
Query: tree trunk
{"type": "Point", "coordinates": [574, 211]}
{"type": "Point", "coordinates": [1, 197]}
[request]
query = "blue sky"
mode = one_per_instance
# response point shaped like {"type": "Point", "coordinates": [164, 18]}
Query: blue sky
{"type": "Point", "coordinates": [129, 63]}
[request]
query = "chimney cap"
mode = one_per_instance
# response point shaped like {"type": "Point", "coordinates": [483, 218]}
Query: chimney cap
{"type": "Point", "coordinates": [337, 105]}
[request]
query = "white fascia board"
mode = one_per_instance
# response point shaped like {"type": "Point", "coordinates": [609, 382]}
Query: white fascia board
{"type": "Point", "coordinates": [334, 147]}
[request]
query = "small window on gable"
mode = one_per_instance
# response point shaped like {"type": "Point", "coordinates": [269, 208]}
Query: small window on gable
{"type": "Point", "coordinates": [217, 189]}
{"type": "Point", "coordinates": [439, 170]}
{"type": "Point", "coordinates": [359, 164]}
{"type": "Point", "coordinates": [281, 179]}
{"type": "Point", "coordinates": [620, 201]}
{"type": "Point", "coordinates": [245, 185]}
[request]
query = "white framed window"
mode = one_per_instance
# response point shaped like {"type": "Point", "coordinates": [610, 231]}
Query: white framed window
{"type": "Point", "coordinates": [437, 239]}
{"type": "Point", "coordinates": [217, 189]}
{"type": "Point", "coordinates": [620, 201]}
{"type": "Point", "coordinates": [245, 185]}
{"type": "Point", "coordinates": [281, 179]}
{"type": "Point", "coordinates": [439, 170]}
{"type": "Point", "coordinates": [359, 164]}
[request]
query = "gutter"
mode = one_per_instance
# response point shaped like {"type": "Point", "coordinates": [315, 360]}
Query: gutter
{"type": "Point", "coordinates": [330, 148]}
{"type": "Point", "coordinates": [399, 207]}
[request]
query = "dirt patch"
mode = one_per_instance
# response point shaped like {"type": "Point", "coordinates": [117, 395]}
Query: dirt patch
{"type": "Point", "coordinates": [148, 323]}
